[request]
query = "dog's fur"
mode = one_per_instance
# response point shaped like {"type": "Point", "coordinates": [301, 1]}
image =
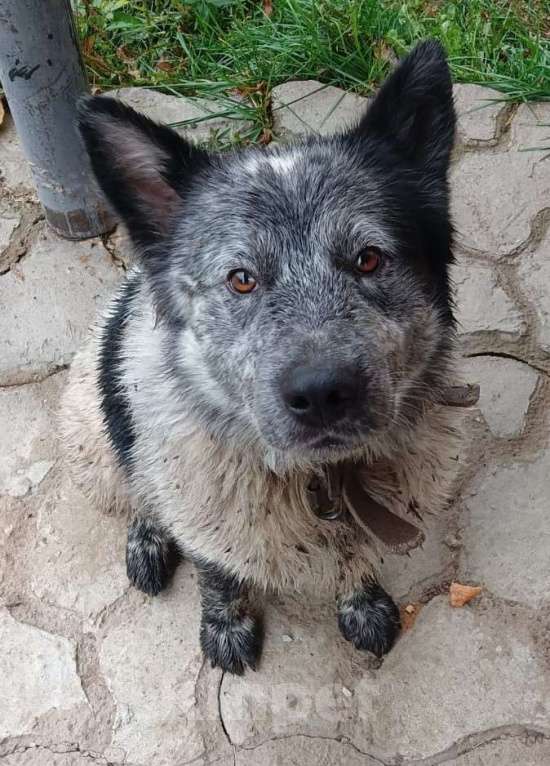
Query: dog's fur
{"type": "Point", "coordinates": [174, 409]}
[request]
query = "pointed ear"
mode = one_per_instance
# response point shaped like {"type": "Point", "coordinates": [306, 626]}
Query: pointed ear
{"type": "Point", "coordinates": [414, 110]}
{"type": "Point", "coordinates": [142, 168]}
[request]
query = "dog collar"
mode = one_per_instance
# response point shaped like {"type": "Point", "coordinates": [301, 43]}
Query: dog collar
{"type": "Point", "coordinates": [337, 493]}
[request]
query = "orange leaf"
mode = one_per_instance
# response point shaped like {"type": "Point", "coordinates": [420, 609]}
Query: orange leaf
{"type": "Point", "coordinates": [459, 594]}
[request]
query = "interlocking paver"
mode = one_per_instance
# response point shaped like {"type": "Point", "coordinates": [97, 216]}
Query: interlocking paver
{"type": "Point", "coordinates": [27, 421]}
{"type": "Point", "coordinates": [98, 673]}
{"type": "Point", "coordinates": [205, 116]}
{"type": "Point", "coordinates": [481, 304]}
{"type": "Point", "coordinates": [38, 673]}
{"type": "Point", "coordinates": [507, 536]}
{"type": "Point", "coordinates": [497, 194]}
{"type": "Point", "coordinates": [524, 749]}
{"type": "Point", "coordinates": [40, 756]}
{"type": "Point", "coordinates": [478, 111]}
{"type": "Point", "coordinates": [456, 672]}
{"type": "Point", "coordinates": [151, 659]}
{"type": "Point", "coordinates": [506, 388]}
{"type": "Point", "coordinates": [303, 751]}
{"type": "Point", "coordinates": [9, 220]}
{"type": "Point", "coordinates": [15, 173]}
{"type": "Point", "coordinates": [534, 274]}
{"type": "Point", "coordinates": [48, 301]}
{"type": "Point", "coordinates": [77, 561]}
{"type": "Point", "coordinates": [308, 106]}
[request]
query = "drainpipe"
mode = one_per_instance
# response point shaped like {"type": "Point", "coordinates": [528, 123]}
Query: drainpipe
{"type": "Point", "coordinates": [43, 77]}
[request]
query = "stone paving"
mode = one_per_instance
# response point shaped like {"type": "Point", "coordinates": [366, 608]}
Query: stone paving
{"type": "Point", "coordinates": [91, 671]}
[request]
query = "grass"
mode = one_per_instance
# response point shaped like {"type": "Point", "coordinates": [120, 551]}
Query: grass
{"type": "Point", "coordinates": [234, 52]}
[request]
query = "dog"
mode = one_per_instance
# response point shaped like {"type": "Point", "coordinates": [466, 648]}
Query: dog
{"type": "Point", "coordinates": [263, 393]}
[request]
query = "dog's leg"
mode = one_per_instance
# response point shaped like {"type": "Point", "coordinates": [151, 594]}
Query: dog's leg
{"type": "Point", "coordinates": [231, 634]}
{"type": "Point", "coordinates": [151, 555]}
{"type": "Point", "coordinates": [369, 618]}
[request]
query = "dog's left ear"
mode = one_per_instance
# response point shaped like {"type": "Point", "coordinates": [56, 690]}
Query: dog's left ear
{"type": "Point", "coordinates": [413, 110]}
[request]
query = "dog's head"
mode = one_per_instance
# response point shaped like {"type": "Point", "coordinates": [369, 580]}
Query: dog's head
{"type": "Point", "coordinates": [304, 288]}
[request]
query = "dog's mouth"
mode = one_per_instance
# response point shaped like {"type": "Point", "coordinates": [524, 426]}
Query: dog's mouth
{"type": "Point", "coordinates": [329, 446]}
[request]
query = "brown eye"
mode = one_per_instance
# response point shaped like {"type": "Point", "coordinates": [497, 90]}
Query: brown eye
{"type": "Point", "coordinates": [241, 281]}
{"type": "Point", "coordinates": [368, 260]}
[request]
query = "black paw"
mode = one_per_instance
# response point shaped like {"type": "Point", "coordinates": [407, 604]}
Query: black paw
{"type": "Point", "coordinates": [151, 556]}
{"type": "Point", "coordinates": [369, 619]}
{"type": "Point", "coordinates": [232, 640]}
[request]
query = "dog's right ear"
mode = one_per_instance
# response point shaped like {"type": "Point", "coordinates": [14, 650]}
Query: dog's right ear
{"type": "Point", "coordinates": [142, 168]}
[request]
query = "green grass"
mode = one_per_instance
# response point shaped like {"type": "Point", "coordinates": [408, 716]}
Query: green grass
{"type": "Point", "coordinates": [228, 49]}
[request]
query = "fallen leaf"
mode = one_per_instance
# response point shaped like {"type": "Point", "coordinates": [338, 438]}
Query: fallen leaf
{"type": "Point", "coordinates": [268, 7]}
{"type": "Point", "coordinates": [250, 90]}
{"type": "Point", "coordinates": [386, 53]}
{"type": "Point", "coordinates": [266, 136]}
{"type": "Point", "coordinates": [165, 66]}
{"type": "Point", "coordinates": [459, 594]}
{"type": "Point", "coordinates": [2, 112]}
{"type": "Point", "coordinates": [96, 62]}
{"type": "Point", "coordinates": [129, 61]}
{"type": "Point", "coordinates": [87, 45]}
{"type": "Point", "coordinates": [408, 615]}
{"type": "Point", "coordinates": [124, 56]}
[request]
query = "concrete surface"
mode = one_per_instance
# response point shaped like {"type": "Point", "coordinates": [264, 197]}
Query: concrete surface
{"type": "Point", "coordinates": [93, 672]}
{"type": "Point", "coordinates": [176, 109]}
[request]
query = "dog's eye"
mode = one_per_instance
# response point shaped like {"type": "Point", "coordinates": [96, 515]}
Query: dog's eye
{"type": "Point", "coordinates": [241, 281]}
{"type": "Point", "coordinates": [368, 260]}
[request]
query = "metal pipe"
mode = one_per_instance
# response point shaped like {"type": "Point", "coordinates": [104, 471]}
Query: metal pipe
{"type": "Point", "coordinates": [43, 77]}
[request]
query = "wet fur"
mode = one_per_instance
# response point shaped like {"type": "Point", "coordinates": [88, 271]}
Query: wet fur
{"type": "Point", "coordinates": [173, 410]}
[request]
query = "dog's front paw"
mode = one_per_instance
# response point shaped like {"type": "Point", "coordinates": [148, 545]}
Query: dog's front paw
{"type": "Point", "coordinates": [151, 556]}
{"type": "Point", "coordinates": [369, 618]}
{"type": "Point", "coordinates": [231, 639]}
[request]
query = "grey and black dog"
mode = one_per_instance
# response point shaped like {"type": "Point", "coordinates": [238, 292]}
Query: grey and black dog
{"type": "Point", "coordinates": [289, 312]}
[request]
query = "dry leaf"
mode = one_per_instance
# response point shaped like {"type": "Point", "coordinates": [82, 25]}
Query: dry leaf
{"type": "Point", "coordinates": [250, 90]}
{"type": "Point", "coordinates": [386, 53]}
{"type": "Point", "coordinates": [165, 66]}
{"type": "Point", "coordinates": [461, 594]}
{"type": "Point", "coordinates": [87, 45]}
{"type": "Point", "coordinates": [408, 615]}
{"type": "Point", "coordinates": [124, 55]}
{"type": "Point", "coordinates": [266, 136]}
{"type": "Point", "coordinates": [2, 112]}
{"type": "Point", "coordinates": [97, 62]}
{"type": "Point", "coordinates": [130, 61]}
{"type": "Point", "coordinates": [268, 7]}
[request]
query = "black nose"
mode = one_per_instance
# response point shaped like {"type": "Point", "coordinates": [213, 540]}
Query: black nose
{"type": "Point", "coordinates": [320, 395]}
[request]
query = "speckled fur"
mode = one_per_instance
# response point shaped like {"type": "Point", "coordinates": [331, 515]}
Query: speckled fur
{"type": "Point", "coordinates": [174, 409]}
{"type": "Point", "coordinates": [226, 505]}
{"type": "Point", "coordinates": [84, 438]}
